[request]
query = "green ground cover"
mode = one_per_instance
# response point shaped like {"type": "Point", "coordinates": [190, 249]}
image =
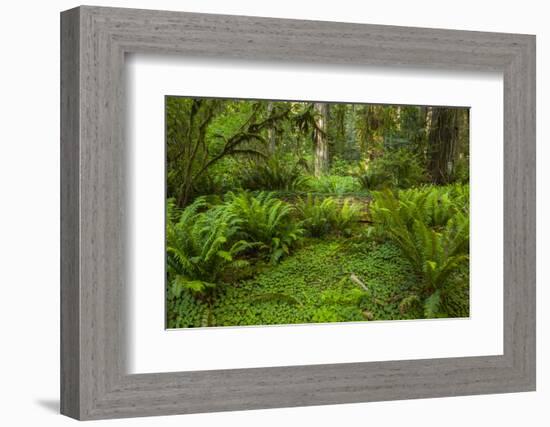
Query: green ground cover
{"type": "Point", "coordinates": [312, 285]}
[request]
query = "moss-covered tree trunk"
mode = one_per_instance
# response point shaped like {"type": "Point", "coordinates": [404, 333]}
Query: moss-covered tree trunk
{"type": "Point", "coordinates": [270, 130]}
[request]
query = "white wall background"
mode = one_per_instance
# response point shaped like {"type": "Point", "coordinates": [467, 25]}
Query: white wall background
{"type": "Point", "coordinates": [29, 214]}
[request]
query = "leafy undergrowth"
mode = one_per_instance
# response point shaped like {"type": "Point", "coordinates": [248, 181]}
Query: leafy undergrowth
{"type": "Point", "coordinates": [321, 282]}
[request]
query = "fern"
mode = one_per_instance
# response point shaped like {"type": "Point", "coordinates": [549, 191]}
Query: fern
{"type": "Point", "coordinates": [375, 179]}
{"type": "Point", "coordinates": [432, 305]}
{"type": "Point", "coordinates": [266, 221]}
{"type": "Point", "coordinates": [335, 184]}
{"type": "Point", "coordinates": [316, 214]}
{"type": "Point", "coordinates": [431, 227]}
{"type": "Point", "coordinates": [322, 216]}
{"type": "Point", "coordinates": [345, 220]}
{"type": "Point", "coordinates": [409, 303]}
{"type": "Point", "coordinates": [200, 244]}
{"type": "Point", "coordinates": [275, 173]}
{"type": "Point", "coordinates": [397, 168]}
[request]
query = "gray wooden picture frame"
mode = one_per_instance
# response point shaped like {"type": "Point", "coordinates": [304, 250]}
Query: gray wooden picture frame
{"type": "Point", "coordinates": [94, 381]}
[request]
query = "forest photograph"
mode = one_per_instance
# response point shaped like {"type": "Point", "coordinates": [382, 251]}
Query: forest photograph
{"type": "Point", "coordinates": [299, 212]}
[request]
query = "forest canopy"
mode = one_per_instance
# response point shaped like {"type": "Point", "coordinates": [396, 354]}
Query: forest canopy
{"type": "Point", "coordinates": [305, 212]}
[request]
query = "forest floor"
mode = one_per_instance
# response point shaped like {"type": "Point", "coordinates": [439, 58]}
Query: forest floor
{"type": "Point", "coordinates": [315, 285]}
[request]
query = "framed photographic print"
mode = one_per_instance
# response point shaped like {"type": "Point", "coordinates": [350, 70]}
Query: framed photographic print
{"type": "Point", "coordinates": [261, 213]}
{"type": "Point", "coordinates": [285, 212]}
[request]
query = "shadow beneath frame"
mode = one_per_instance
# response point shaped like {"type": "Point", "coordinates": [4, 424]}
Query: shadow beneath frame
{"type": "Point", "coordinates": [52, 405]}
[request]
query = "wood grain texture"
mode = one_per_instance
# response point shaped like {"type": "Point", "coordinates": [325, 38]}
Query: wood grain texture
{"type": "Point", "coordinates": [94, 381]}
{"type": "Point", "coordinates": [70, 314]}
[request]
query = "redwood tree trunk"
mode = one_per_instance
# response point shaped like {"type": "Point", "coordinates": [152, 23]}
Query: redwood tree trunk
{"type": "Point", "coordinates": [443, 144]}
{"type": "Point", "coordinates": [320, 139]}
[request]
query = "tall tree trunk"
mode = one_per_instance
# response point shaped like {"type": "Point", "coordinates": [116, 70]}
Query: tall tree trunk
{"type": "Point", "coordinates": [271, 130]}
{"type": "Point", "coordinates": [424, 122]}
{"type": "Point", "coordinates": [350, 130]}
{"type": "Point", "coordinates": [398, 111]}
{"type": "Point", "coordinates": [464, 132]}
{"type": "Point", "coordinates": [337, 137]}
{"type": "Point", "coordinates": [443, 143]}
{"type": "Point", "coordinates": [320, 139]}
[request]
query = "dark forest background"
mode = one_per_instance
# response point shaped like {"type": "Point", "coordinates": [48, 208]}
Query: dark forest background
{"type": "Point", "coordinates": [207, 139]}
